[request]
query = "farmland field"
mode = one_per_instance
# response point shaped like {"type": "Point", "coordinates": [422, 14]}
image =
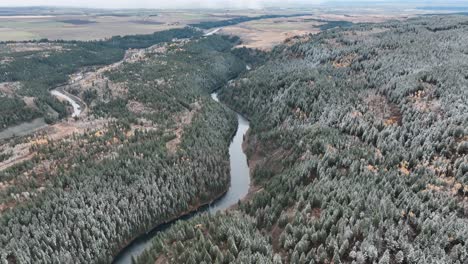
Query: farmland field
{"type": "Point", "coordinates": [97, 24]}
{"type": "Point", "coordinates": [100, 24]}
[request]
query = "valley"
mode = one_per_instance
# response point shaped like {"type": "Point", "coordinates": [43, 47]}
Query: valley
{"type": "Point", "coordinates": [246, 136]}
{"type": "Point", "coordinates": [60, 159]}
{"type": "Point", "coordinates": [346, 159]}
{"type": "Point", "coordinates": [238, 189]}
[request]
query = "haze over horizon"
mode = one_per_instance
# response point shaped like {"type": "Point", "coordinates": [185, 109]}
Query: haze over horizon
{"type": "Point", "coordinates": [114, 4]}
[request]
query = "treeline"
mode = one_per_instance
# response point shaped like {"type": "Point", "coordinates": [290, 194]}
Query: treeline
{"type": "Point", "coordinates": [238, 20]}
{"type": "Point", "coordinates": [329, 24]}
{"type": "Point", "coordinates": [360, 141]}
{"type": "Point", "coordinates": [146, 40]}
{"type": "Point", "coordinates": [104, 187]}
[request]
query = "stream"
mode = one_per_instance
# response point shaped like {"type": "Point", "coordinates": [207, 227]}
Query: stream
{"type": "Point", "coordinates": [239, 187]}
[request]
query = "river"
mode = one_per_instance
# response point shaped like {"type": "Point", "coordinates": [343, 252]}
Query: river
{"type": "Point", "coordinates": [23, 129]}
{"type": "Point", "coordinates": [240, 183]}
{"type": "Point", "coordinates": [76, 106]}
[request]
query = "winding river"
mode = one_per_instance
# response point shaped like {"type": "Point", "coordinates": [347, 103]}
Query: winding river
{"type": "Point", "coordinates": [240, 183]}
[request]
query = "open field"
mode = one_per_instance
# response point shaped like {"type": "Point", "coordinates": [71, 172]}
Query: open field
{"type": "Point", "coordinates": [78, 27]}
{"type": "Point", "coordinates": [83, 24]}
{"type": "Point", "coordinates": [94, 25]}
{"type": "Point", "coordinates": [91, 26]}
{"type": "Point", "coordinates": [266, 33]}
{"type": "Point", "coordinates": [15, 35]}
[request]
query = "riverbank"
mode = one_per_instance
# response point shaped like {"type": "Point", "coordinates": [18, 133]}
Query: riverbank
{"type": "Point", "coordinates": [238, 189]}
{"type": "Point", "coordinates": [75, 102]}
{"type": "Point", "coordinates": [23, 129]}
{"type": "Point", "coordinates": [133, 247]}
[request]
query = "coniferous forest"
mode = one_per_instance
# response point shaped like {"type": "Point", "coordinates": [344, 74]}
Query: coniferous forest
{"type": "Point", "coordinates": [39, 71]}
{"type": "Point", "coordinates": [358, 149]}
{"type": "Point", "coordinates": [82, 199]}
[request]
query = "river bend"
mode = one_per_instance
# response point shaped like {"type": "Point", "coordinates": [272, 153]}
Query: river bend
{"type": "Point", "coordinates": [239, 187]}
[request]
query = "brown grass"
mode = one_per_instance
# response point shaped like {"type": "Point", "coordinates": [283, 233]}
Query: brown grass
{"type": "Point", "coordinates": [345, 61]}
{"type": "Point", "coordinates": [266, 33]}
{"type": "Point", "coordinates": [28, 47]}
{"type": "Point", "coordinates": [425, 100]}
{"type": "Point", "coordinates": [161, 260]}
{"type": "Point", "coordinates": [183, 120]}
{"type": "Point", "coordinates": [383, 109]}
{"type": "Point", "coordinates": [9, 88]}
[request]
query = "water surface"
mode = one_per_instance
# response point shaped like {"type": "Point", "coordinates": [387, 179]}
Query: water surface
{"type": "Point", "coordinates": [240, 183]}
{"type": "Point", "coordinates": [23, 129]}
{"type": "Point", "coordinates": [76, 106]}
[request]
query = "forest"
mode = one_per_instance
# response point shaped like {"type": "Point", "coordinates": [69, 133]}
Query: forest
{"type": "Point", "coordinates": [358, 148]}
{"type": "Point", "coordinates": [359, 152]}
{"type": "Point", "coordinates": [39, 71]}
{"type": "Point", "coordinates": [83, 198]}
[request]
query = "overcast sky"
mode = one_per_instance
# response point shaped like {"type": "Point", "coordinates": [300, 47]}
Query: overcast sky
{"type": "Point", "coordinates": [155, 3]}
{"type": "Point", "coordinates": [192, 3]}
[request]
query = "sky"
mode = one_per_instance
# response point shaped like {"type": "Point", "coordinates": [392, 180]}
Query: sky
{"type": "Point", "coordinates": [193, 3]}
{"type": "Point", "coordinates": [156, 3]}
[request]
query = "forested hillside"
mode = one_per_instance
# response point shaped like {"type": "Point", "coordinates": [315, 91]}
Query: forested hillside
{"type": "Point", "coordinates": [158, 148]}
{"type": "Point", "coordinates": [39, 66]}
{"type": "Point", "coordinates": [358, 145]}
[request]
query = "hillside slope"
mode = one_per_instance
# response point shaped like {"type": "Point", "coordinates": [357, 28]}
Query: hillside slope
{"type": "Point", "coordinates": [359, 148]}
{"type": "Point", "coordinates": [156, 147]}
